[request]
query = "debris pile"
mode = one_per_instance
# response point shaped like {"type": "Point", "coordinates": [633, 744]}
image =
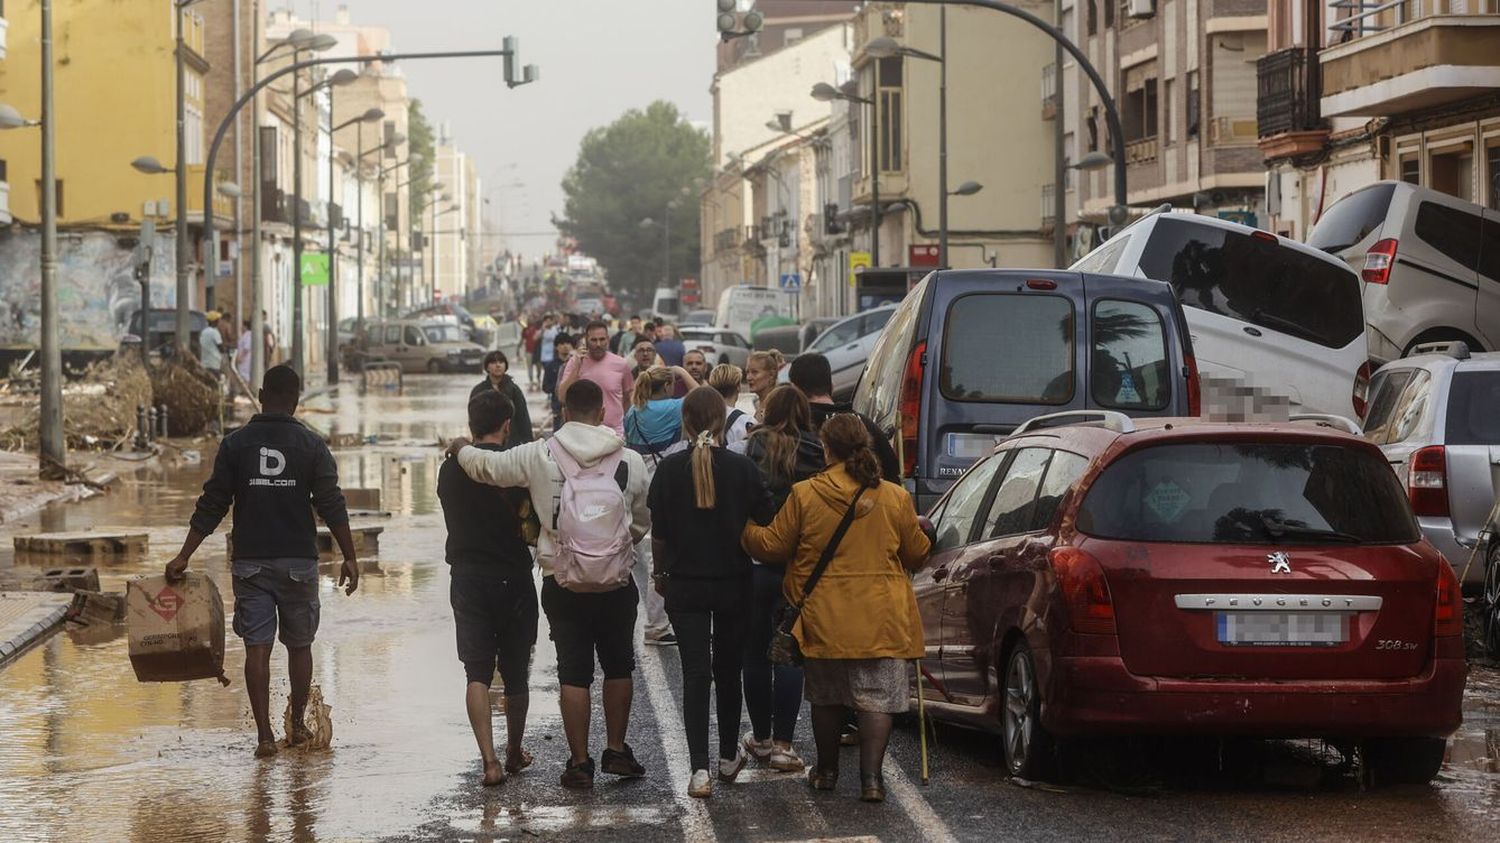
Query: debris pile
{"type": "Point", "coordinates": [99, 408]}
{"type": "Point", "coordinates": [190, 394]}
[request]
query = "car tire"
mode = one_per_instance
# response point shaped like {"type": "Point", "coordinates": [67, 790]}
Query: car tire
{"type": "Point", "coordinates": [1025, 745]}
{"type": "Point", "coordinates": [434, 367]}
{"type": "Point", "coordinates": [1402, 760]}
{"type": "Point", "coordinates": [1444, 335]}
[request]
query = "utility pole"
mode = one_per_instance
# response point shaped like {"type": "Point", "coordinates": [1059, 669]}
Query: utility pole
{"type": "Point", "coordinates": [54, 445]}
{"type": "Point", "coordinates": [184, 247]}
{"type": "Point", "coordinates": [331, 345]}
{"type": "Point", "coordinates": [943, 136]}
{"type": "Point", "coordinates": [1059, 154]}
{"type": "Point", "coordinates": [257, 307]}
{"type": "Point", "coordinates": [298, 342]}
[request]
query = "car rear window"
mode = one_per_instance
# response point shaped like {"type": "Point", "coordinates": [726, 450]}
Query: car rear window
{"type": "Point", "coordinates": [1129, 368]}
{"type": "Point", "coordinates": [1249, 493]}
{"type": "Point", "coordinates": [1474, 409]}
{"type": "Point", "coordinates": [1008, 348]}
{"type": "Point", "coordinates": [1256, 280]}
{"type": "Point", "coordinates": [1351, 219]}
{"type": "Point", "coordinates": [1453, 232]}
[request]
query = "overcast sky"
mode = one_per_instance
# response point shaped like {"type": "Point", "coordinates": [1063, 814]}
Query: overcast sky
{"type": "Point", "coordinates": [598, 58]}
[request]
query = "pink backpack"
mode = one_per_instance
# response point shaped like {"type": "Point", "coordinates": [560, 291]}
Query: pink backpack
{"type": "Point", "coordinates": [594, 548]}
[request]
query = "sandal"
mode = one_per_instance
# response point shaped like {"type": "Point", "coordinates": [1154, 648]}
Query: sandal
{"type": "Point", "coordinates": [526, 760]}
{"type": "Point", "coordinates": [821, 779]}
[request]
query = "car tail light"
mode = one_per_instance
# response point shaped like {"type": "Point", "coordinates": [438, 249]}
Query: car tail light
{"type": "Point", "coordinates": [1081, 579]}
{"type": "Point", "coordinates": [1427, 483]}
{"type": "Point", "coordinates": [1378, 262]}
{"type": "Point", "coordinates": [911, 408]}
{"type": "Point", "coordinates": [1194, 388]}
{"type": "Point", "coordinates": [1264, 236]}
{"type": "Point", "coordinates": [1362, 389]}
{"type": "Point", "coordinates": [1448, 617]}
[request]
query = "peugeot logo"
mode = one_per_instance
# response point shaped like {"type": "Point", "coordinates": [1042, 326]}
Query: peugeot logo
{"type": "Point", "coordinates": [1281, 562]}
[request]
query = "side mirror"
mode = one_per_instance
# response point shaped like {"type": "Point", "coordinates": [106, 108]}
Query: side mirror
{"type": "Point", "coordinates": [927, 528]}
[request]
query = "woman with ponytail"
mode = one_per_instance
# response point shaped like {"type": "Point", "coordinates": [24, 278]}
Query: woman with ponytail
{"type": "Point", "coordinates": [653, 422]}
{"type": "Point", "coordinates": [701, 500]}
{"type": "Point", "coordinates": [859, 624]}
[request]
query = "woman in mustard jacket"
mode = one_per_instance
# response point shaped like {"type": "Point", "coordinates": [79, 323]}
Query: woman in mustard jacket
{"type": "Point", "coordinates": [860, 625]}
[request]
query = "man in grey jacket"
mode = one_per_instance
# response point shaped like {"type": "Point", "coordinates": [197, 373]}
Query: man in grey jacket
{"type": "Point", "coordinates": [582, 623]}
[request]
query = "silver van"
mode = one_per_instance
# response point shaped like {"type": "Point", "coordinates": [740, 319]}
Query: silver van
{"type": "Point", "coordinates": [423, 345]}
{"type": "Point", "coordinates": [1429, 264]}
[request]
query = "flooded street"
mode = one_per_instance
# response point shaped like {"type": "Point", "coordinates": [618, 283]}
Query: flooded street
{"type": "Point", "coordinates": [88, 753]}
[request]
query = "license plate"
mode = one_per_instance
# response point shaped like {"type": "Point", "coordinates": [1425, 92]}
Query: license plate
{"type": "Point", "coordinates": [970, 446]}
{"type": "Point", "coordinates": [1282, 629]}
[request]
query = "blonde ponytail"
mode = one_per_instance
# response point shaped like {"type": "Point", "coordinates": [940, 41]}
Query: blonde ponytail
{"type": "Point", "coordinates": [703, 427]}
{"type": "Point", "coordinates": [648, 384]}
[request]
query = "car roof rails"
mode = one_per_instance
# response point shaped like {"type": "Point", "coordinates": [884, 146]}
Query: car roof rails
{"type": "Point", "coordinates": [1329, 420]}
{"type": "Point", "coordinates": [1457, 349]}
{"type": "Point", "coordinates": [1107, 419]}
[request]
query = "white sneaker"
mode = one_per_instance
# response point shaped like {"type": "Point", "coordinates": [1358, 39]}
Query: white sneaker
{"type": "Point", "coordinates": [729, 770]}
{"type": "Point", "coordinates": [787, 760]}
{"type": "Point", "coordinates": [762, 750]}
{"type": "Point", "coordinates": [701, 786]}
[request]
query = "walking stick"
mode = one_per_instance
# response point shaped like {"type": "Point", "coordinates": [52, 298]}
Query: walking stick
{"type": "Point", "coordinates": [922, 721]}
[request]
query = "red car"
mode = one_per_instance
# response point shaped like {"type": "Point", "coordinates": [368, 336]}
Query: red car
{"type": "Point", "coordinates": [1098, 576]}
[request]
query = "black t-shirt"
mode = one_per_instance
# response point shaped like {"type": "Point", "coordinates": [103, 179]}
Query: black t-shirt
{"type": "Point", "coordinates": [484, 530]}
{"type": "Point", "coordinates": [705, 543]}
{"type": "Point", "coordinates": [890, 469]}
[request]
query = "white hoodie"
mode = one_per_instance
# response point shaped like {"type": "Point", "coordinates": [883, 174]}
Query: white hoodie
{"type": "Point", "coordinates": [531, 465]}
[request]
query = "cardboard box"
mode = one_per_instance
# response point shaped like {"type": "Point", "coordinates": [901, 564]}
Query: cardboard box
{"type": "Point", "coordinates": [176, 629]}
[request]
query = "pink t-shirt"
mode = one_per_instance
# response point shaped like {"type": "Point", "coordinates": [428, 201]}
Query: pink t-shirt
{"type": "Point", "coordinates": [612, 374]}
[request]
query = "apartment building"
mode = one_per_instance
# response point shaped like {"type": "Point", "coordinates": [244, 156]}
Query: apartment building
{"type": "Point", "coordinates": [1353, 93]}
{"type": "Point", "coordinates": [455, 241]}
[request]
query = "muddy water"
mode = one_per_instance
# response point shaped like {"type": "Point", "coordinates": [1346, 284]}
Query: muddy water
{"type": "Point", "coordinates": [86, 752]}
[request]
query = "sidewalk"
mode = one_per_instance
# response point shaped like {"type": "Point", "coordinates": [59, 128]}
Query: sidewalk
{"type": "Point", "coordinates": [28, 617]}
{"type": "Point", "coordinates": [23, 493]}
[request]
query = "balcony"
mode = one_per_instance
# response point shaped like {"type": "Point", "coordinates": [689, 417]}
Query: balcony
{"type": "Point", "coordinates": [273, 206]}
{"type": "Point", "coordinates": [1049, 92]}
{"type": "Point", "coordinates": [1143, 151]}
{"type": "Point", "coordinates": [223, 205]}
{"type": "Point", "coordinates": [1405, 56]}
{"type": "Point", "coordinates": [1232, 131]}
{"type": "Point", "coordinates": [1287, 118]}
{"type": "Point", "coordinates": [5, 218]}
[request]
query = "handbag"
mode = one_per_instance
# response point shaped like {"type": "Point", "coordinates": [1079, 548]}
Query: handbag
{"type": "Point", "coordinates": [784, 649]}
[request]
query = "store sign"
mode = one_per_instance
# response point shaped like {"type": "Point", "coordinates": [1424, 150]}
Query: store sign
{"type": "Point", "coordinates": [922, 255]}
{"type": "Point", "coordinates": [315, 270]}
{"type": "Point", "coordinates": [858, 261]}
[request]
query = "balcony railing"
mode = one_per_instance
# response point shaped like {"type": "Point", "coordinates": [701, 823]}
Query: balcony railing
{"type": "Point", "coordinates": [1049, 92]}
{"type": "Point", "coordinates": [1141, 151]}
{"type": "Point", "coordinates": [1287, 92]}
{"type": "Point", "coordinates": [1368, 17]}
{"type": "Point", "coordinates": [1049, 203]}
{"type": "Point", "coordinates": [1232, 131]}
{"type": "Point", "coordinates": [273, 205]}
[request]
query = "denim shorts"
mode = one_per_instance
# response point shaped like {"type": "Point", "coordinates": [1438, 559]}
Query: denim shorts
{"type": "Point", "coordinates": [272, 592]}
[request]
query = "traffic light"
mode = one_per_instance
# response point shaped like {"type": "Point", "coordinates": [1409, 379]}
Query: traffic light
{"type": "Point", "coordinates": [529, 73]}
{"type": "Point", "coordinates": [735, 24]}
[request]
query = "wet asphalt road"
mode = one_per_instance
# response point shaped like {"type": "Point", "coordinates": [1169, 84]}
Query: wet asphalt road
{"type": "Point", "coordinates": [87, 753]}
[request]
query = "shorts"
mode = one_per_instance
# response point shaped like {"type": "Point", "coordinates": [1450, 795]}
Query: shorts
{"type": "Point", "coordinates": [495, 620]}
{"type": "Point", "coordinates": [586, 624]}
{"type": "Point", "coordinates": [276, 592]}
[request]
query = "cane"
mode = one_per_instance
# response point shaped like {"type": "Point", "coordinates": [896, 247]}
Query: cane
{"type": "Point", "coordinates": [922, 721]}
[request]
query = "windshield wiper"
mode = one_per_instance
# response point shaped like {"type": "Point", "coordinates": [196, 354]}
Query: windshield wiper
{"type": "Point", "coordinates": [1283, 529]}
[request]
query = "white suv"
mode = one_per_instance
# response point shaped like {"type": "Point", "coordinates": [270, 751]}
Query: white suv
{"type": "Point", "coordinates": [1263, 311]}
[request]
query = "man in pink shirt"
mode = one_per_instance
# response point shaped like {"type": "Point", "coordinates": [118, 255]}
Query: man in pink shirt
{"type": "Point", "coordinates": [610, 371]}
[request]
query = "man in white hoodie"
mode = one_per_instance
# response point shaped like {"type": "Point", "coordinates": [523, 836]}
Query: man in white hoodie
{"type": "Point", "coordinates": [581, 623]}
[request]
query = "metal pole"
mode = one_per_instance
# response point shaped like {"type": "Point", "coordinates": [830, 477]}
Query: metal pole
{"type": "Point", "coordinates": [666, 247]}
{"type": "Point", "coordinates": [1059, 155]}
{"type": "Point", "coordinates": [875, 172]}
{"type": "Point", "coordinates": [359, 223]}
{"type": "Point", "coordinates": [184, 248]}
{"type": "Point", "coordinates": [331, 344]}
{"type": "Point", "coordinates": [380, 267]}
{"type": "Point", "coordinates": [943, 136]}
{"type": "Point", "coordinates": [430, 243]}
{"type": "Point", "coordinates": [54, 446]}
{"type": "Point", "coordinates": [297, 340]}
{"type": "Point", "coordinates": [257, 321]}
{"type": "Point", "coordinates": [239, 169]}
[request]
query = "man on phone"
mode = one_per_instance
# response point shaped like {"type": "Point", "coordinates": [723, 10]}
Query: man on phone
{"type": "Point", "coordinates": [595, 362]}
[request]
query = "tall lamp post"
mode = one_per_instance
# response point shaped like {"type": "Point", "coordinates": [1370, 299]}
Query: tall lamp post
{"type": "Point", "coordinates": [824, 92]}
{"type": "Point", "coordinates": [299, 341]}
{"type": "Point", "coordinates": [184, 245]}
{"type": "Point", "coordinates": [373, 115]}
{"type": "Point", "coordinates": [359, 178]}
{"type": "Point", "coordinates": [380, 262]}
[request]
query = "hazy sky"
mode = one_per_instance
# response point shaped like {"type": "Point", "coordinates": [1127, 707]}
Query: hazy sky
{"type": "Point", "coordinates": [598, 58]}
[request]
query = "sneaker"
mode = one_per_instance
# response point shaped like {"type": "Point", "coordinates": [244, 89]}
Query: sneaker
{"type": "Point", "coordinates": [621, 763]}
{"type": "Point", "coordinates": [760, 750]}
{"type": "Point", "coordinates": [729, 769]}
{"type": "Point", "coordinates": [579, 776]}
{"type": "Point", "coordinates": [787, 760]}
{"type": "Point", "coordinates": [850, 736]}
{"type": "Point", "coordinates": [701, 786]}
{"type": "Point", "coordinates": [666, 639]}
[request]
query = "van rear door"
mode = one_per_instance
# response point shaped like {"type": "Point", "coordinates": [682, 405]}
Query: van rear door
{"type": "Point", "coordinates": [1487, 316]}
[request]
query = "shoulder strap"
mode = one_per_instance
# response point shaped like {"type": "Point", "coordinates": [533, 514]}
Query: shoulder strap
{"type": "Point", "coordinates": [830, 549]}
{"type": "Point", "coordinates": [734, 416]}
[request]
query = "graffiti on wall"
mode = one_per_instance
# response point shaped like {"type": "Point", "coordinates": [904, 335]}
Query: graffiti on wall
{"type": "Point", "coordinates": [96, 288]}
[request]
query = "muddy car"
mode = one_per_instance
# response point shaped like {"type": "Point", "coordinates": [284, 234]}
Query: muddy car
{"type": "Point", "coordinates": [420, 345]}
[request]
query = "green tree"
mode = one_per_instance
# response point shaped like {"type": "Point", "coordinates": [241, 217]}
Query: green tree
{"type": "Point", "coordinates": [633, 170]}
{"type": "Point", "coordinates": [423, 148]}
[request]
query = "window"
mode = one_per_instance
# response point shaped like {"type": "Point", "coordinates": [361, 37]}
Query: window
{"type": "Point", "coordinates": [393, 335]}
{"type": "Point", "coordinates": [1194, 104]}
{"type": "Point", "coordinates": [1454, 233]}
{"type": "Point", "coordinates": [1169, 128]}
{"type": "Point", "coordinates": [268, 148]}
{"type": "Point", "coordinates": [1409, 416]}
{"type": "Point", "coordinates": [1093, 16]}
{"type": "Point", "coordinates": [1140, 111]}
{"type": "Point", "coordinates": [1258, 281]}
{"type": "Point", "coordinates": [1032, 333]}
{"type": "Point", "coordinates": [1062, 472]}
{"type": "Point", "coordinates": [1492, 168]}
{"type": "Point", "coordinates": [1010, 512]}
{"type": "Point", "coordinates": [388, 134]}
{"type": "Point", "coordinates": [956, 521]}
{"type": "Point", "coordinates": [875, 321]}
{"type": "Point", "coordinates": [1352, 218]}
{"type": "Point", "coordinates": [1474, 409]}
{"type": "Point", "coordinates": [1282, 493]}
{"type": "Point", "coordinates": [838, 335]}
{"type": "Point", "coordinates": [445, 333]}
{"type": "Point", "coordinates": [4, 171]}
{"type": "Point", "coordinates": [1109, 12]}
{"type": "Point", "coordinates": [1411, 168]}
{"type": "Point", "coordinates": [887, 363]}
{"type": "Point", "coordinates": [392, 212]}
{"type": "Point", "coordinates": [1129, 369]}
{"type": "Point", "coordinates": [1102, 260]}
{"type": "Point", "coordinates": [1385, 388]}
{"type": "Point", "coordinates": [1453, 172]}
{"type": "Point", "coordinates": [889, 82]}
{"type": "Point", "coordinates": [1092, 124]}
{"type": "Point", "coordinates": [413, 336]}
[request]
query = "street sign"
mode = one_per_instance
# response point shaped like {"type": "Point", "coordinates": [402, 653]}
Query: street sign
{"type": "Point", "coordinates": [922, 256]}
{"type": "Point", "coordinates": [858, 261]}
{"type": "Point", "coordinates": [315, 270]}
{"type": "Point", "coordinates": [791, 282]}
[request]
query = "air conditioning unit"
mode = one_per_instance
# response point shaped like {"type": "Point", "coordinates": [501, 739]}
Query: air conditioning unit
{"type": "Point", "coordinates": [1140, 8]}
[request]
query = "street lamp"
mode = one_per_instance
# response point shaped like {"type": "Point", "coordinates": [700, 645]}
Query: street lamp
{"type": "Point", "coordinates": [371, 115]}
{"type": "Point", "coordinates": [824, 92]}
{"type": "Point", "coordinates": [968, 188]}
{"type": "Point", "coordinates": [1092, 161]}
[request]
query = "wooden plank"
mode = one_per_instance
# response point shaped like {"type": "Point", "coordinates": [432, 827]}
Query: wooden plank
{"type": "Point", "coordinates": [363, 499]}
{"type": "Point", "coordinates": [84, 543]}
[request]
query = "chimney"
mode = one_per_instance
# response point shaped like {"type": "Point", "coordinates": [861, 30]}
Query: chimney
{"type": "Point", "coordinates": [342, 17]}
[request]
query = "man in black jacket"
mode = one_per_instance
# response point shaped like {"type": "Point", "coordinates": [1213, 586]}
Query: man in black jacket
{"type": "Point", "coordinates": [275, 472]}
{"type": "Point", "coordinates": [811, 373]}
{"type": "Point", "coordinates": [494, 600]}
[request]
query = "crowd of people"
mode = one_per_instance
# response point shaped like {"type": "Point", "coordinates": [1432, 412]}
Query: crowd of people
{"type": "Point", "coordinates": [658, 494]}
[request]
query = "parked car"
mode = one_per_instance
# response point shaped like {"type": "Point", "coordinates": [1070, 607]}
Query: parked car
{"type": "Point", "coordinates": [786, 339]}
{"type": "Point", "coordinates": [1429, 262]}
{"type": "Point", "coordinates": [971, 354]}
{"type": "Point", "coordinates": [1185, 577]}
{"type": "Point", "coordinates": [1264, 311]}
{"type": "Point", "coordinates": [1436, 415]}
{"type": "Point", "coordinates": [453, 310]}
{"type": "Point", "coordinates": [423, 346]}
{"type": "Point", "coordinates": [718, 346]}
{"type": "Point", "coordinates": [697, 317]}
{"type": "Point", "coordinates": [163, 326]}
{"type": "Point", "coordinates": [847, 343]}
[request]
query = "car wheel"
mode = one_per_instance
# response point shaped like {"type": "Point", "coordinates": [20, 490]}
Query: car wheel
{"type": "Point", "coordinates": [434, 367]}
{"type": "Point", "coordinates": [1026, 744]}
{"type": "Point", "coordinates": [1444, 335]}
{"type": "Point", "coordinates": [1402, 760]}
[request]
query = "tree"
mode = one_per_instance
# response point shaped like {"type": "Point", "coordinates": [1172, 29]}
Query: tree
{"type": "Point", "coordinates": [631, 171]}
{"type": "Point", "coordinates": [422, 147]}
